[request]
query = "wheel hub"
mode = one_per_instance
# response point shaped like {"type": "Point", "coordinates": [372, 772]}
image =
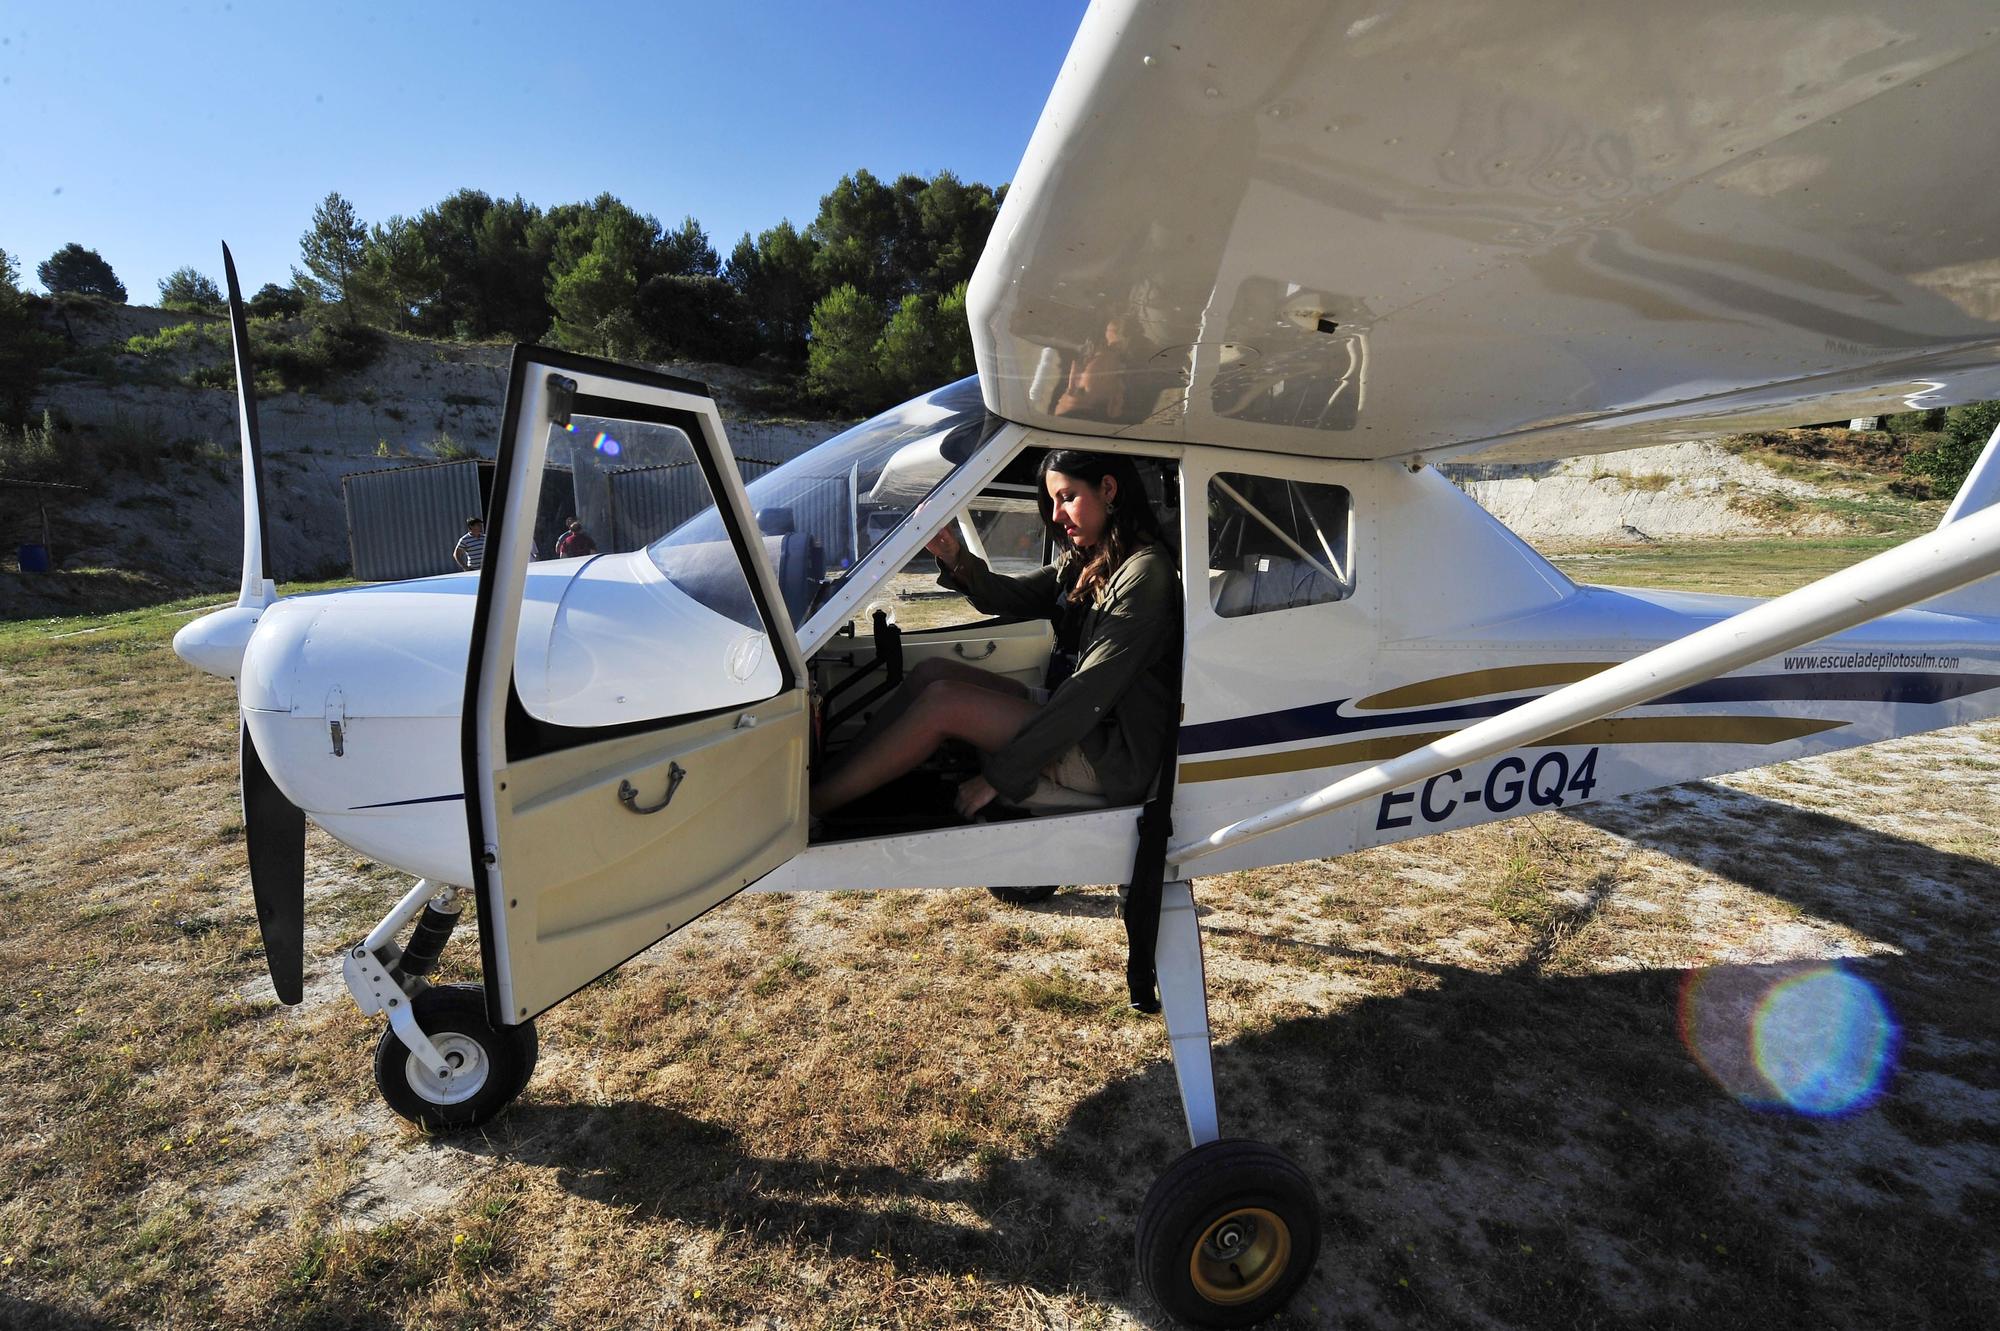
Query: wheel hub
{"type": "Point", "coordinates": [1241, 1255]}
{"type": "Point", "coordinates": [469, 1068]}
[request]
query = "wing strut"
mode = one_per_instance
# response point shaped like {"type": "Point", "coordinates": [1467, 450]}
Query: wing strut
{"type": "Point", "coordinates": [1961, 552]}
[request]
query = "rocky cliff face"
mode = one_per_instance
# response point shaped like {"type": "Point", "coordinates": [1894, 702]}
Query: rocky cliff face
{"type": "Point", "coordinates": [1694, 491]}
{"type": "Point", "coordinates": [180, 527]}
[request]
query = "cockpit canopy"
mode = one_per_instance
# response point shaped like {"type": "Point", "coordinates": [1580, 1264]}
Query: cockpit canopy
{"type": "Point", "coordinates": [825, 510]}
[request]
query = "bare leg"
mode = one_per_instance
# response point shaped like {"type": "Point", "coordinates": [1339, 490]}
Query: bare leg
{"type": "Point", "coordinates": [947, 709]}
{"type": "Point", "coordinates": [922, 675]}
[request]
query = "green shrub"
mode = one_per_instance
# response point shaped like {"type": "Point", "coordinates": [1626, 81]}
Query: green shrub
{"type": "Point", "coordinates": [447, 449]}
{"type": "Point", "coordinates": [1973, 423]}
{"type": "Point", "coordinates": [211, 376]}
{"type": "Point", "coordinates": [1949, 457]}
{"type": "Point", "coordinates": [1914, 422]}
{"type": "Point", "coordinates": [31, 453]}
{"type": "Point", "coordinates": [285, 361]}
{"type": "Point", "coordinates": [186, 289]}
{"type": "Point", "coordinates": [180, 339]}
{"type": "Point", "coordinates": [305, 363]}
{"type": "Point", "coordinates": [275, 302]}
{"type": "Point", "coordinates": [86, 457]}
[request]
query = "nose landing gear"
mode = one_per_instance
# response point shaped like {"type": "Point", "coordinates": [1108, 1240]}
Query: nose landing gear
{"type": "Point", "coordinates": [488, 1066]}
{"type": "Point", "coordinates": [441, 1063]}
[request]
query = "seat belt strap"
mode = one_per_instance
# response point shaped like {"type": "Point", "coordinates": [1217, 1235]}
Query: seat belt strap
{"type": "Point", "coordinates": [1139, 902]}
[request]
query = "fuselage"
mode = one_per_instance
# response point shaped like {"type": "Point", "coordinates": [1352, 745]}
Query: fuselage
{"type": "Point", "coordinates": [354, 699]}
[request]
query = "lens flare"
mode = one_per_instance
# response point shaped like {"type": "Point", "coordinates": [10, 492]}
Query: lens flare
{"type": "Point", "coordinates": [603, 443]}
{"type": "Point", "coordinates": [1809, 1038]}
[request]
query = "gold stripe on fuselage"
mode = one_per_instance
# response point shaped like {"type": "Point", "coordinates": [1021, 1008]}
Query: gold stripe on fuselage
{"type": "Point", "coordinates": [1479, 683]}
{"type": "Point", "coordinates": [1614, 730]}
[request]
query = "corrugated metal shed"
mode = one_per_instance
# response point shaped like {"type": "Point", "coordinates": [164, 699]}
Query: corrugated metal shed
{"type": "Point", "coordinates": [645, 503]}
{"type": "Point", "coordinates": [403, 522]}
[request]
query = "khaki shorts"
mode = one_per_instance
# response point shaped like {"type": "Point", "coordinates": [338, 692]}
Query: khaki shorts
{"type": "Point", "coordinates": [1072, 771]}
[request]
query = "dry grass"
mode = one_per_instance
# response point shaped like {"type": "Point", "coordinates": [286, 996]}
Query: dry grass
{"type": "Point", "coordinates": [931, 1110]}
{"type": "Point", "coordinates": [1732, 568]}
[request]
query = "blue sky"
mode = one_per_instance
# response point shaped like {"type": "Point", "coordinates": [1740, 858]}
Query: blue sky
{"type": "Point", "coordinates": [148, 132]}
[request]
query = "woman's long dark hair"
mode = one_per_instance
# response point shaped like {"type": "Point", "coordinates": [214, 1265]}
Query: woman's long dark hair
{"type": "Point", "coordinates": [1132, 525]}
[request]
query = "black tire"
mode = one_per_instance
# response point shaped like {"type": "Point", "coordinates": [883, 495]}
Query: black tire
{"type": "Point", "coordinates": [1227, 1234]}
{"type": "Point", "coordinates": [500, 1061]}
{"type": "Point", "coordinates": [1024, 896]}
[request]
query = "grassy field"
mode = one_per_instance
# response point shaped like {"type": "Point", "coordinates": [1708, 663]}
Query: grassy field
{"type": "Point", "coordinates": [1732, 568]}
{"type": "Point", "coordinates": [922, 1110]}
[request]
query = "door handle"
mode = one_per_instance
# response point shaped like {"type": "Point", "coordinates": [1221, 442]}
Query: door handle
{"type": "Point", "coordinates": [958, 650]}
{"type": "Point", "coordinates": [628, 794]}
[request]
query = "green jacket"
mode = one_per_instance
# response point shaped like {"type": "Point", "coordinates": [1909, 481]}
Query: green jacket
{"type": "Point", "coordinates": [1120, 704]}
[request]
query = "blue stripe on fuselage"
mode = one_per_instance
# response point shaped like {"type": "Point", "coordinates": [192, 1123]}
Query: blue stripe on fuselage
{"type": "Point", "coordinates": [397, 804]}
{"type": "Point", "coordinates": [1319, 720]}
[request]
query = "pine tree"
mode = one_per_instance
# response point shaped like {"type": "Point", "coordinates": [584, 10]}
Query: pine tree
{"type": "Point", "coordinates": [334, 251]}
{"type": "Point", "coordinates": [187, 290]}
{"type": "Point", "coordinates": [78, 271]}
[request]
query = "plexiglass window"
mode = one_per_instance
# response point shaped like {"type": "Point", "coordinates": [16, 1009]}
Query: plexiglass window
{"type": "Point", "coordinates": [604, 641]}
{"type": "Point", "coordinates": [1007, 531]}
{"type": "Point", "coordinates": [822, 512]}
{"type": "Point", "coordinates": [1275, 544]}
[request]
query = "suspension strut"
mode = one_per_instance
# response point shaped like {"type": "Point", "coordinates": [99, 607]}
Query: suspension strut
{"type": "Point", "coordinates": [426, 945]}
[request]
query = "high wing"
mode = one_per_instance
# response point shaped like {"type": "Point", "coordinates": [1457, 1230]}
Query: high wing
{"type": "Point", "coordinates": [1520, 231]}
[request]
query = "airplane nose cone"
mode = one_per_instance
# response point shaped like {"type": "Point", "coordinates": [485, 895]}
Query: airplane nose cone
{"type": "Point", "coordinates": [215, 642]}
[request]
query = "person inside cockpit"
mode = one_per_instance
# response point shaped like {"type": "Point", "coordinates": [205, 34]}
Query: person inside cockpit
{"type": "Point", "coordinates": [1099, 726]}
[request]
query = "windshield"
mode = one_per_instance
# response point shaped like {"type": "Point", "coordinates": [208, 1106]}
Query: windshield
{"type": "Point", "coordinates": [848, 493]}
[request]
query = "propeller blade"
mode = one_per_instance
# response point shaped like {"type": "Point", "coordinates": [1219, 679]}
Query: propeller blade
{"type": "Point", "coordinates": [274, 830]}
{"type": "Point", "coordinates": [258, 589]}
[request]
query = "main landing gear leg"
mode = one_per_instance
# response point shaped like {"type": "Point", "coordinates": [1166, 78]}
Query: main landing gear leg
{"type": "Point", "coordinates": [1184, 1003]}
{"type": "Point", "coordinates": [1230, 1231]}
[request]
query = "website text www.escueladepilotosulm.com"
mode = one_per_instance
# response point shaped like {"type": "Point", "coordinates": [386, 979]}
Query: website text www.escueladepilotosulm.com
{"type": "Point", "coordinates": [1871, 661]}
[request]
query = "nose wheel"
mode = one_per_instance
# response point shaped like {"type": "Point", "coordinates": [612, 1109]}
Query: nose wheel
{"type": "Point", "coordinates": [488, 1066]}
{"type": "Point", "coordinates": [1227, 1234]}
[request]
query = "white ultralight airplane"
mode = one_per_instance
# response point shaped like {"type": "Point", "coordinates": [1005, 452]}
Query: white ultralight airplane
{"type": "Point", "coordinates": [1302, 251]}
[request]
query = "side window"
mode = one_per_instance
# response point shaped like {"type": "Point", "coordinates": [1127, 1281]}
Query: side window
{"type": "Point", "coordinates": [1009, 534]}
{"type": "Point", "coordinates": [1274, 544]}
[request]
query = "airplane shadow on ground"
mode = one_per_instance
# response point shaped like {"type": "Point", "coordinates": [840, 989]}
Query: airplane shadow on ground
{"type": "Point", "coordinates": [1517, 1148]}
{"type": "Point", "coordinates": [1899, 891]}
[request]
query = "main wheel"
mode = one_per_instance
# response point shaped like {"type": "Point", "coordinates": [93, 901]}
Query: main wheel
{"type": "Point", "coordinates": [1228, 1234]}
{"type": "Point", "coordinates": [1024, 896]}
{"type": "Point", "coordinates": [489, 1066]}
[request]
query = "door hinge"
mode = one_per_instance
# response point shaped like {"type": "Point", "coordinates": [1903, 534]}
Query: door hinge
{"type": "Point", "coordinates": [562, 398]}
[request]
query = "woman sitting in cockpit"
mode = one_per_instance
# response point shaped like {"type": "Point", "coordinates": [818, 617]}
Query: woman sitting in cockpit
{"type": "Point", "coordinates": [1100, 725]}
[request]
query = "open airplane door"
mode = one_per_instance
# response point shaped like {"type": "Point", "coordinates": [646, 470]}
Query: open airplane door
{"type": "Point", "coordinates": [636, 722]}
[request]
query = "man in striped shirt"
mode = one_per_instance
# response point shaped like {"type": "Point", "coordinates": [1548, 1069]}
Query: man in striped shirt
{"type": "Point", "coordinates": [471, 547]}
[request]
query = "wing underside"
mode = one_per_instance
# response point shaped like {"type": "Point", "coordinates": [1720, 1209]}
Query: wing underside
{"type": "Point", "coordinates": [1516, 231]}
